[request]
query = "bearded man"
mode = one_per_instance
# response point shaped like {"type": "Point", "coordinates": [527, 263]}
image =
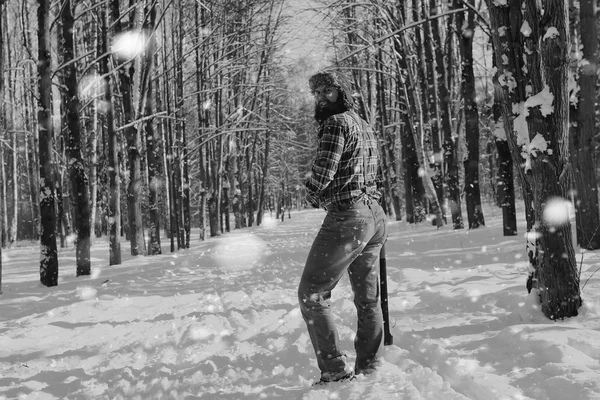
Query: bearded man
{"type": "Point", "coordinates": [343, 182]}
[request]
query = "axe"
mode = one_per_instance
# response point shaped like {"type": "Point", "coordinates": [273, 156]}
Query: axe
{"type": "Point", "coordinates": [388, 339]}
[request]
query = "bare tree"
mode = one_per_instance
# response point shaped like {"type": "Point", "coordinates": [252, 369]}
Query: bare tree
{"type": "Point", "coordinates": [49, 255]}
{"type": "Point", "coordinates": [449, 145]}
{"type": "Point", "coordinates": [1, 122]}
{"type": "Point", "coordinates": [77, 175]}
{"type": "Point", "coordinates": [152, 139]}
{"type": "Point", "coordinates": [114, 186]}
{"type": "Point", "coordinates": [127, 77]}
{"type": "Point", "coordinates": [201, 65]}
{"type": "Point", "coordinates": [466, 29]}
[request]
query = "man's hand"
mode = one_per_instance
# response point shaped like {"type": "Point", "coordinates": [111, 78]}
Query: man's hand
{"type": "Point", "coordinates": [313, 200]}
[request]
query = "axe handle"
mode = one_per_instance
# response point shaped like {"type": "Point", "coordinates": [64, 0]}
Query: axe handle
{"type": "Point", "coordinates": [388, 339]}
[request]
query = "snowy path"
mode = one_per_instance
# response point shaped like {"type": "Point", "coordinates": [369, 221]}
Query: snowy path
{"type": "Point", "coordinates": [220, 321]}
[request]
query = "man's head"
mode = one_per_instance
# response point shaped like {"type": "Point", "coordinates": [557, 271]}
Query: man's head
{"type": "Point", "coordinates": [332, 94]}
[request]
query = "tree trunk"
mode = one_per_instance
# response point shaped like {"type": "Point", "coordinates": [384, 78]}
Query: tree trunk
{"type": "Point", "coordinates": [414, 191]}
{"type": "Point", "coordinates": [471, 162]}
{"type": "Point", "coordinates": [3, 190]}
{"type": "Point", "coordinates": [31, 141]}
{"type": "Point", "coordinates": [184, 180]}
{"type": "Point", "coordinates": [92, 128]}
{"type": "Point", "coordinates": [249, 165]}
{"type": "Point", "coordinates": [243, 220]}
{"type": "Point", "coordinates": [505, 179]}
{"type": "Point", "coordinates": [417, 130]}
{"type": "Point", "coordinates": [451, 171]}
{"type": "Point", "coordinates": [133, 139]}
{"type": "Point", "coordinates": [432, 97]}
{"type": "Point", "coordinates": [12, 181]}
{"type": "Point", "coordinates": [582, 135]}
{"type": "Point", "coordinates": [557, 275]}
{"type": "Point", "coordinates": [265, 170]}
{"type": "Point", "coordinates": [169, 150]}
{"type": "Point", "coordinates": [388, 157]}
{"type": "Point", "coordinates": [2, 196]}
{"type": "Point", "coordinates": [114, 170]}
{"type": "Point", "coordinates": [49, 255]}
{"type": "Point", "coordinates": [77, 175]}
{"type": "Point", "coordinates": [213, 188]}
{"type": "Point", "coordinates": [152, 143]}
{"type": "Point", "coordinates": [541, 135]}
{"type": "Point", "coordinates": [177, 228]}
{"type": "Point", "coordinates": [202, 120]}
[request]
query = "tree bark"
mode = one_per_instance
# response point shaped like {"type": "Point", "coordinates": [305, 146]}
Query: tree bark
{"type": "Point", "coordinates": [12, 179]}
{"type": "Point", "coordinates": [2, 196]}
{"type": "Point", "coordinates": [184, 180]}
{"type": "Point", "coordinates": [471, 162]}
{"type": "Point", "coordinates": [504, 178]}
{"type": "Point", "coordinates": [133, 139]}
{"type": "Point", "coordinates": [114, 169]}
{"type": "Point", "coordinates": [587, 213]}
{"type": "Point", "coordinates": [49, 254]}
{"type": "Point", "coordinates": [77, 175]}
{"type": "Point", "coordinates": [202, 119]}
{"type": "Point", "coordinates": [506, 187]}
{"type": "Point", "coordinates": [550, 248]}
{"type": "Point", "coordinates": [152, 142]}
{"type": "Point", "coordinates": [30, 124]}
{"type": "Point", "coordinates": [558, 280]}
{"type": "Point", "coordinates": [432, 96]}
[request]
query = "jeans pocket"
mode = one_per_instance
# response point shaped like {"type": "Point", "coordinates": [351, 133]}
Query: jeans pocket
{"type": "Point", "coordinates": [353, 232]}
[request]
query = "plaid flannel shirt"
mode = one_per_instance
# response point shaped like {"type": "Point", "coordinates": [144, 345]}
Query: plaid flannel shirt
{"type": "Point", "coordinates": [338, 175]}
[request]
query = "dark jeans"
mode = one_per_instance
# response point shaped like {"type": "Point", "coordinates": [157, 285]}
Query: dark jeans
{"type": "Point", "coordinates": [348, 240]}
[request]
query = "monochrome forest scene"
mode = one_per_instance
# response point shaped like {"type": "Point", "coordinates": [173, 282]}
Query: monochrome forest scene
{"type": "Point", "coordinates": [155, 219]}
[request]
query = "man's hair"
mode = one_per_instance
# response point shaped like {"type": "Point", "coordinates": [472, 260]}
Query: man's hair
{"type": "Point", "coordinates": [337, 80]}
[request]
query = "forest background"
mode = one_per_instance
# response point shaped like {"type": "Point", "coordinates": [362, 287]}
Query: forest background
{"type": "Point", "coordinates": [126, 118]}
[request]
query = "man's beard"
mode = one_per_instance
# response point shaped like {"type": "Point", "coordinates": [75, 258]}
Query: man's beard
{"type": "Point", "coordinates": [322, 113]}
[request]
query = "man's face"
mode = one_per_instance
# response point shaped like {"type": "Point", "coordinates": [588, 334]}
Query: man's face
{"type": "Point", "coordinates": [325, 97]}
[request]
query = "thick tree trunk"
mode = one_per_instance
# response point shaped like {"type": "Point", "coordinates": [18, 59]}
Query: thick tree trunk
{"type": "Point", "coordinates": [541, 133]}
{"type": "Point", "coordinates": [582, 135]}
{"type": "Point", "coordinates": [49, 255]}
{"type": "Point", "coordinates": [557, 275]}
{"type": "Point", "coordinates": [77, 175]}
{"type": "Point", "coordinates": [471, 162]}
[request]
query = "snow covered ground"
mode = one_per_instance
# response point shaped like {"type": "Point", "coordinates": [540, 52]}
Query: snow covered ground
{"type": "Point", "coordinates": [221, 321]}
